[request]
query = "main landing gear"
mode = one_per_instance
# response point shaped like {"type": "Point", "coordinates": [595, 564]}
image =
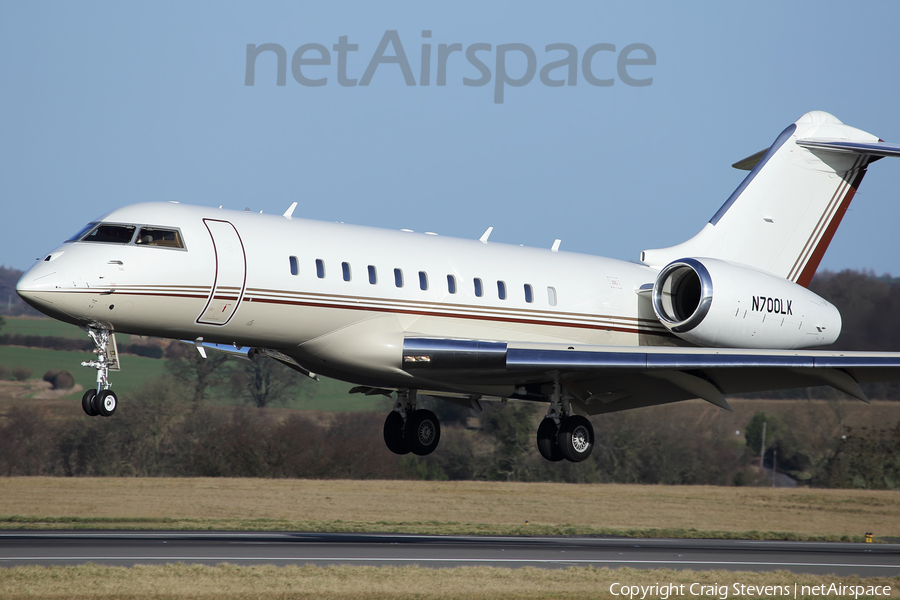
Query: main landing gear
{"type": "Point", "coordinates": [408, 429]}
{"type": "Point", "coordinates": [102, 400]}
{"type": "Point", "coordinates": [562, 435]}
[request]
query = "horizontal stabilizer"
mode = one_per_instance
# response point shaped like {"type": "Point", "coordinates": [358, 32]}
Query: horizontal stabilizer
{"type": "Point", "coordinates": [748, 163]}
{"type": "Point", "coordinates": [846, 146]}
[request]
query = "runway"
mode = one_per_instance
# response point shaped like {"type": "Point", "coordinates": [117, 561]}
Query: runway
{"type": "Point", "coordinates": [126, 548]}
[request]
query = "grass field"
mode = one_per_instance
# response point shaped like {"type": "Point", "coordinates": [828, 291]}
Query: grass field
{"type": "Point", "coordinates": [41, 326]}
{"type": "Point", "coordinates": [325, 395]}
{"type": "Point", "coordinates": [488, 508]}
{"type": "Point", "coordinates": [448, 507]}
{"type": "Point", "coordinates": [136, 370]}
{"type": "Point", "coordinates": [382, 583]}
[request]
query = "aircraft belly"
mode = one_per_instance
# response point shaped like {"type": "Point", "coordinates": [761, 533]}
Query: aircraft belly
{"type": "Point", "coordinates": [367, 346]}
{"type": "Point", "coordinates": [477, 329]}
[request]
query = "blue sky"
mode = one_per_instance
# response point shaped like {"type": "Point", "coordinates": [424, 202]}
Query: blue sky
{"type": "Point", "coordinates": [108, 104]}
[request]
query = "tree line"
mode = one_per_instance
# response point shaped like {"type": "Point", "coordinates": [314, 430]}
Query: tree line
{"type": "Point", "coordinates": [161, 432]}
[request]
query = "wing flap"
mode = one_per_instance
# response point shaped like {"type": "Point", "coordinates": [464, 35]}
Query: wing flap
{"type": "Point", "coordinates": [696, 386]}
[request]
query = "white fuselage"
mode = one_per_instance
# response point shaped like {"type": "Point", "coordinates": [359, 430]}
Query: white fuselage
{"type": "Point", "coordinates": [350, 329]}
{"type": "Point", "coordinates": [341, 299]}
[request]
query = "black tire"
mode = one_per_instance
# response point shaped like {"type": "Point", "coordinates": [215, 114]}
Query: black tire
{"type": "Point", "coordinates": [423, 432]}
{"type": "Point", "coordinates": [87, 403]}
{"type": "Point", "coordinates": [106, 402]}
{"type": "Point", "coordinates": [393, 433]}
{"type": "Point", "coordinates": [548, 440]}
{"type": "Point", "coordinates": [576, 438]}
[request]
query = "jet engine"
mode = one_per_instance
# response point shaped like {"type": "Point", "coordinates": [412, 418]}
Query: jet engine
{"type": "Point", "coordinates": [711, 302]}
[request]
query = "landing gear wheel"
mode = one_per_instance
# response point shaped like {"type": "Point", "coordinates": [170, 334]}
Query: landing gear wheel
{"type": "Point", "coordinates": [423, 432]}
{"type": "Point", "coordinates": [548, 440]}
{"type": "Point", "coordinates": [106, 403]}
{"type": "Point", "coordinates": [87, 403]}
{"type": "Point", "coordinates": [393, 434]}
{"type": "Point", "coordinates": [576, 438]}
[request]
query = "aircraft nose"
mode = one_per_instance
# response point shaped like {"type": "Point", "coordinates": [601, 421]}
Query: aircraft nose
{"type": "Point", "coordinates": [37, 285]}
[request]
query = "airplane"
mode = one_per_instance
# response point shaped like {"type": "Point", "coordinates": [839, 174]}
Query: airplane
{"type": "Point", "coordinates": [406, 314]}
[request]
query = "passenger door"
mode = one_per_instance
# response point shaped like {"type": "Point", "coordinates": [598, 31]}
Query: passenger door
{"type": "Point", "coordinates": [230, 273]}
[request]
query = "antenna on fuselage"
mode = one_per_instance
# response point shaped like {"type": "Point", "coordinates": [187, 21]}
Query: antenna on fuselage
{"type": "Point", "coordinates": [484, 238]}
{"type": "Point", "coordinates": [290, 211]}
{"type": "Point", "coordinates": [555, 246]}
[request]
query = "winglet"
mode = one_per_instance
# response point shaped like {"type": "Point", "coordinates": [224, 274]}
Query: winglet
{"type": "Point", "coordinates": [484, 238]}
{"type": "Point", "coordinates": [290, 211]}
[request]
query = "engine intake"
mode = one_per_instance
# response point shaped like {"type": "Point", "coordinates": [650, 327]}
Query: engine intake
{"type": "Point", "coordinates": [682, 295]}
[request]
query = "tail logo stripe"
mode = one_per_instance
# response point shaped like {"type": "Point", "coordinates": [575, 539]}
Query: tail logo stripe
{"type": "Point", "coordinates": [849, 182]}
{"type": "Point", "coordinates": [823, 219]}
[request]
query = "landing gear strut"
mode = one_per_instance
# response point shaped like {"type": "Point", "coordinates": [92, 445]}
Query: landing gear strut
{"type": "Point", "coordinates": [407, 429]}
{"type": "Point", "coordinates": [562, 435]}
{"type": "Point", "coordinates": [102, 400]}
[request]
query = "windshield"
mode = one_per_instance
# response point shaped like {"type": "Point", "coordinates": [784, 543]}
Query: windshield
{"type": "Point", "coordinates": [81, 232]}
{"type": "Point", "coordinates": [110, 234]}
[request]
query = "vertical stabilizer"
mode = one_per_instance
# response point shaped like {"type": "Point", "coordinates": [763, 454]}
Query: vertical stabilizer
{"type": "Point", "coordinates": [783, 215]}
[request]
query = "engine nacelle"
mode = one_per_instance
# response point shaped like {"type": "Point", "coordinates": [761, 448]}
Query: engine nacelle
{"type": "Point", "coordinates": [713, 302]}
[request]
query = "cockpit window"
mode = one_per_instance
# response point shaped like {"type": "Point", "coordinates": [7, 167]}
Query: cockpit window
{"type": "Point", "coordinates": [81, 232]}
{"type": "Point", "coordinates": [156, 236]}
{"type": "Point", "coordinates": [109, 234]}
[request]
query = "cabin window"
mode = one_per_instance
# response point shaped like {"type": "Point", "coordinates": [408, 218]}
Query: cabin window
{"type": "Point", "coordinates": [156, 236]}
{"type": "Point", "coordinates": [373, 275]}
{"type": "Point", "coordinates": [345, 269]}
{"type": "Point", "coordinates": [551, 296]}
{"type": "Point", "coordinates": [529, 293]}
{"type": "Point", "coordinates": [398, 277]}
{"type": "Point", "coordinates": [110, 234]}
{"type": "Point", "coordinates": [501, 290]}
{"type": "Point", "coordinates": [451, 284]}
{"type": "Point", "coordinates": [295, 266]}
{"type": "Point", "coordinates": [479, 289]}
{"type": "Point", "coordinates": [423, 280]}
{"type": "Point", "coordinates": [320, 268]}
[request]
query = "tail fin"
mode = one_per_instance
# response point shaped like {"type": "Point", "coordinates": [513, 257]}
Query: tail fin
{"type": "Point", "coordinates": [783, 215]}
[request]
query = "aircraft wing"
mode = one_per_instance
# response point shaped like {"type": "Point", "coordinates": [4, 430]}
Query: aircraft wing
{"type": "Point", "coordinates": [612, 378]}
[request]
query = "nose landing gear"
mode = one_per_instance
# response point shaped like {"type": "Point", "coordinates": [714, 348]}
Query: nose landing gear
{"type": "Point", "coordinates": [407, 429]}
{"type": "Point", "coordinates": [102, 400]}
